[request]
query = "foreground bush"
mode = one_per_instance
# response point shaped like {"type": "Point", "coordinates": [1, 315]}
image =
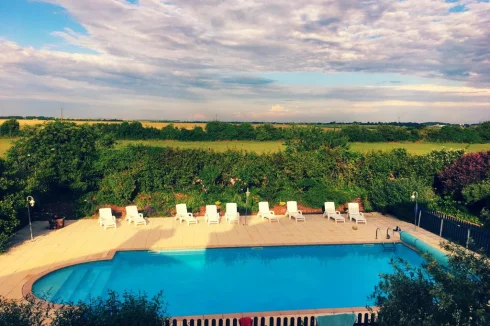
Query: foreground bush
{"type": "Point", "coordinates": [435, 295]}
{"type": "Point", "coordinates": [126, 309]}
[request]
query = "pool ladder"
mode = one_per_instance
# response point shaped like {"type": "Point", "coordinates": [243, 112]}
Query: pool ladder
{"type": "Point", "coordinates": [389, 246]}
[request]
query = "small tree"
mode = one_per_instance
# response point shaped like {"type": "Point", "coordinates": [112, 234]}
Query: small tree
{"type": "Point", "coordinates": [10, 128]}
{"type": "Point", "coordinates": [435, 295]}
{"type": "Point", "coordinates": [301, 139]}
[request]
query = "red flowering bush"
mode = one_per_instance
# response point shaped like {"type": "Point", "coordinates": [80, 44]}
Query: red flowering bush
{"type": "Point", "coordinates": [470, 168]}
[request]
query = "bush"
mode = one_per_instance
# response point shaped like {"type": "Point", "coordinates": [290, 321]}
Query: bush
{"type": "Point", "coordinates": [436, 295]}
{"type": "Point", "coordinates": [128, 309]}
{"type": "Point", "coordinates": [27, 312]}
{"type": "Point", "coordinates": [470, 168]}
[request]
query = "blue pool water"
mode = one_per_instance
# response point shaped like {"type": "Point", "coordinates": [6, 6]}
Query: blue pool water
{"type": "Point", "coordinates": [231, 280]}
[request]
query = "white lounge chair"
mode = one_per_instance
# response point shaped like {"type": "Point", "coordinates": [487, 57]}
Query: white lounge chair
{"type": "Point", "coordinates": [132, 215]}
{"type": "Point", "coordinates": [106, 219]}
{"type": "Point", "coordinates": [182, 214]}
{"type": "Point", "coordinates": [212, 215]}
{"type": "Point", "coordinates": [265, 212]}
{"type": "Point", "coordinates": [292, 211]}
{"type": "Point", "coordinates": [231, 214]}
{"type": "Point", "coordinates": [355, 214]}
{"type": "Point", "coordinates": [330, 212]}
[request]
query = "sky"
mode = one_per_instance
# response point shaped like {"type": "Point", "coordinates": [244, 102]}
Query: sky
{"type": "Point", "coordinates": [247, 60]}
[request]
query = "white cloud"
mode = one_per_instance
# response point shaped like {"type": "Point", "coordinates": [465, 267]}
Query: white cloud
{"type": "Point", "coordinates": [190, 55]}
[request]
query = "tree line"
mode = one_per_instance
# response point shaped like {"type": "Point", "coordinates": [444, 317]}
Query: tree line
{"type": "Point", "coordinates": [217, 130]}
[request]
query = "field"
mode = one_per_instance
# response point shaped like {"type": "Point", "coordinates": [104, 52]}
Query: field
{"type": "Point", "coordinates": [158, 125]}
{"type": "Point", "coordinates": [275, 146]}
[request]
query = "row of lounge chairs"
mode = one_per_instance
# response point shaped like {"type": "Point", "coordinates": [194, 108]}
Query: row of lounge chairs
{"type": "Point", "coordinates": [231, 214]}
{"type": "Point", "coordinates": [106, 219]}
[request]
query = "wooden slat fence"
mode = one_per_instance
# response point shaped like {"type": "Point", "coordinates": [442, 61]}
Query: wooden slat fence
{"type": "Point", "coordinates": [362, 320]}
{"type": "Point", "coordinates": [456, 230]}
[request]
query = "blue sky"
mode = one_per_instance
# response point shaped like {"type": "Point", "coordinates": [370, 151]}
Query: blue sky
{"type": "Point", "coordinates": [269, 60]}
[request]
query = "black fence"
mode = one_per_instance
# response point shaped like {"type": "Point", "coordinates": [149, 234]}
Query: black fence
{"type": "Point", "coordinates": [467, 234]}
{"type": "Point", "coordinates": [362, 320]}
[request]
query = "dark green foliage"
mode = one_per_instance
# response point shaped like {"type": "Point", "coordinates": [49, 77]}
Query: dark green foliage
{"type": "Point", "coordinates": [126, 309]}
{"type": "Point", "coordinates": [304, 139]}
{"type": "Point", "coordinates": [10, 128]}
{"type": "Point", "coordinates": [455, 134]}
{"type": "Point", "coordinates": [27, 312]}
{"type": "Point", "coordinates": [435, 295]}
{"type": "Point", "coordinates": [54, 155]}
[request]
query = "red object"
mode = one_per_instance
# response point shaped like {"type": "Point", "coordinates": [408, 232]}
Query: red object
{"type": "Point", "coordinates": [245, 321]}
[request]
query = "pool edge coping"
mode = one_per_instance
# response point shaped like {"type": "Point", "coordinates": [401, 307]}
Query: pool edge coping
{"type": "Point", "coordinates": [109, 255]}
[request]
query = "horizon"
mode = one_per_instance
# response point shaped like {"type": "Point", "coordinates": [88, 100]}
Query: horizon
{"type": "Point", "coordinates": [258, 60]}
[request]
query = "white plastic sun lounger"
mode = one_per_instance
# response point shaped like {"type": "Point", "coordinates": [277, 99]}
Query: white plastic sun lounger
{"type": "Point", "coordinates": [211, 216]}
{"type": "Point", "coordinates": [265, 212]}
{"type": "Point", "coordinates": [132, 215]}
{"type": "Point", "coordinates": [106, 219]}
{"type": "Point", "coordinates": [182, 214]}
{"type": "Point", "coordinates": [330, 212]}
{"type": "Point", "coordinates": [292, 211]}
{"type": "Point", "coordinates": [232, 214]}
{"type": "Point", "coordinates": [355, 214]}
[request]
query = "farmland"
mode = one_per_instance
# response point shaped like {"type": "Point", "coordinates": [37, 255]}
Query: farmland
{"type": "Point", "coordinates": [275, 146]}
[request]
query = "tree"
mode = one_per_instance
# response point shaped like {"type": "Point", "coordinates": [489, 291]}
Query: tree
{"type": "Point", "coordinates": [10, 128]}
{"type": "Point", "coordinates": [434, 295]}
{"type": "Point", "coordinates": [312, 138]}
{"type": "Point", "coordinates": [56, 154]}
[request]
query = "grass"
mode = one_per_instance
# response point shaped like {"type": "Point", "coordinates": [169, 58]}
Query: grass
{"type": "Point", "coordinates": [275, 146]}
{"type": "Point", "coordinates": [219, 146]}
{"type": "Point", "coordinates": [418, 148]}
{"type": "Point", "coordinates": [5, 144]}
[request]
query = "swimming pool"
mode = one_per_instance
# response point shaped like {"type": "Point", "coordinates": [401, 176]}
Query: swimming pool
{"type": "Point", "coordinates": [232, 280]}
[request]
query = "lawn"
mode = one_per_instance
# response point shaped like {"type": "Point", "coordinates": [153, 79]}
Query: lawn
{"type": "Point", "coordinates": [220, 146]}
{"type": "Point", "coordinates": [419, 148]}
{"type": "Point", "coordinates": [5, 144]}
{"type": "Point", "coordinates": [275, 146]}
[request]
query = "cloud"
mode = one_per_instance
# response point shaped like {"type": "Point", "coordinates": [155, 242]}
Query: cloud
{"type": "Point", "coordinates": [141, 57]}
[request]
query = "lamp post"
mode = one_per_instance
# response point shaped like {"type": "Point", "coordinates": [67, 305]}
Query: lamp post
{"type": "Point", "coordinates": [30, 203]}
{"type": "Point", "coordinates": [414, 198]}
{"type": "Point", "coordinates": [247, 194]}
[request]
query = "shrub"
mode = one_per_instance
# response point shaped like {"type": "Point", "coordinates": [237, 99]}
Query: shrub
{"type": "Point", "coordinates": [470, 168]}
{"type": "Point", "coordinates": [435, 295]}
{"type": "Point", "coordinates": [27, 312]}
{"type": "Point", "coordinates": [125, 309]}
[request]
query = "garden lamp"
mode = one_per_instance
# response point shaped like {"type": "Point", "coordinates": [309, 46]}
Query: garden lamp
{"type": "Point", "coordinates": [247, 194]}
{"type": "Point", "coordinates": [414, 198]}
{"type": "Point", "coordinates": [30, 203]}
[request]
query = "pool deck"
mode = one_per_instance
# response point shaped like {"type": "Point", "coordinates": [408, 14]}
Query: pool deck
{"type": "Point", "coordinates": [83, 241]}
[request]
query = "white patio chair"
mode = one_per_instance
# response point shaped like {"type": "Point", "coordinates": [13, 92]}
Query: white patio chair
{"type": "Point", "coordinates": [231, 214]}
{"type": "Point", "coordinates": [265, 212]}
{"type": "Point", "coordinates": [292, 211]}
{"type": "Point", "coordinates": [355, 214]}
{"type": "Point", "coordinates": [183, 215]}
{"type": "Point", "coordinates": [330, 212]}
{"type": "Point", "coordinates": [132, 215]}
{"type": "Point", "coordinates": [212, 215]}
{"type": "Point", "coordinates": [106, 219]}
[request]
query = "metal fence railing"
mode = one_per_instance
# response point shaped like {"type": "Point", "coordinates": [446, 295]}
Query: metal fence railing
{"type": "Point", "coordinates": [467, 234]}
{"type": "Point", "coordinates": [362, 320]}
